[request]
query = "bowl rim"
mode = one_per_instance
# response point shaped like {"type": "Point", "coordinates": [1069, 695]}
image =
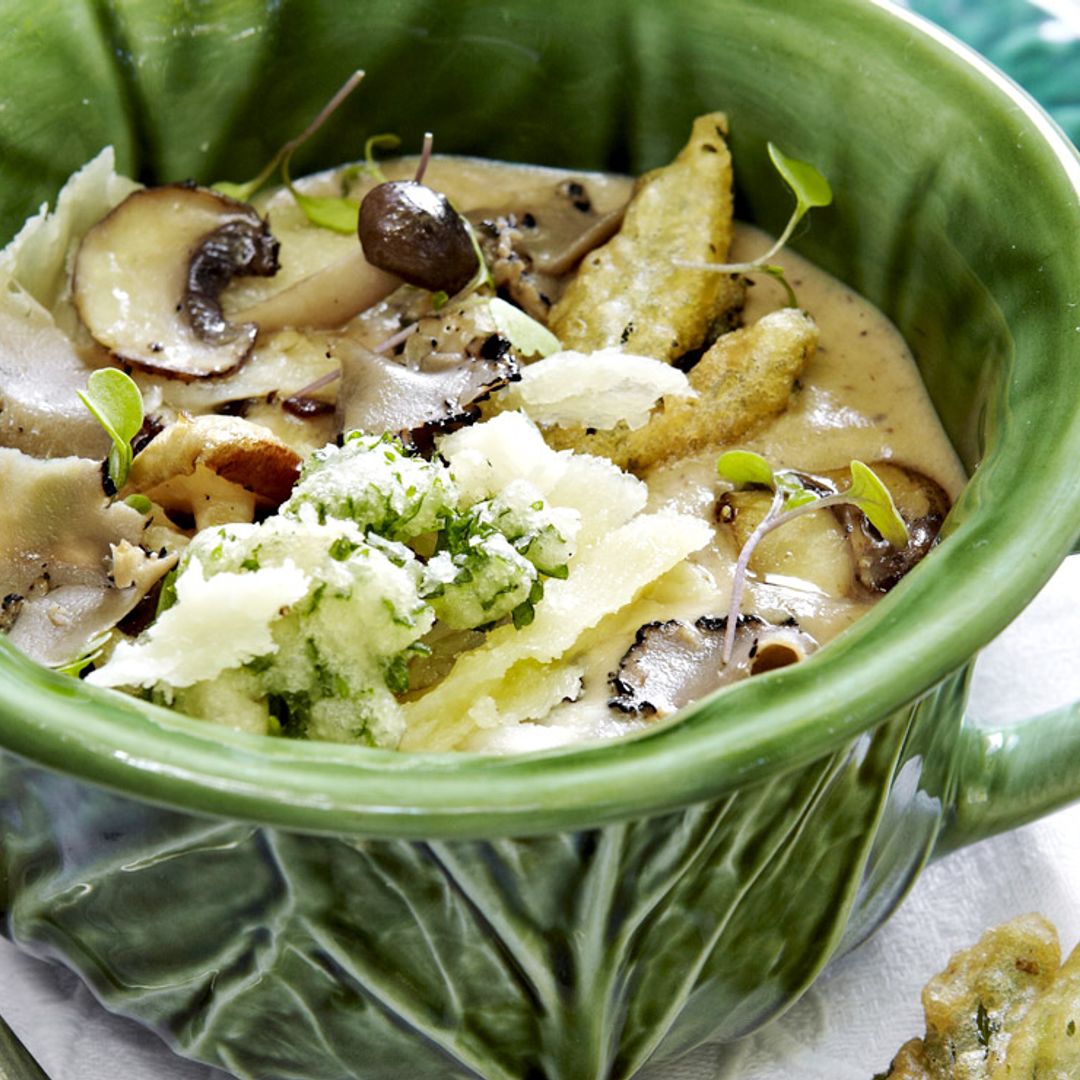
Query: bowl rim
{"type": "Point", "coordinates": [778, 722]}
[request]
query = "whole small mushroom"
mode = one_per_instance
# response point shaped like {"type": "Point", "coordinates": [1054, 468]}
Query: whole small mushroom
{"type": "Point", "coordinates": [408, 233]}
{"type": "Point", "coordinates": [409, 229]}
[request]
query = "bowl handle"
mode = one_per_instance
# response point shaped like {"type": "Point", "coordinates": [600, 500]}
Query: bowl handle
{"type": "Point", "coordinates": [1008, 776]}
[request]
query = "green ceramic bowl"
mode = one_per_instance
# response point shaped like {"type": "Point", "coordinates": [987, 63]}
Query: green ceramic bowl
{"type": "Point", "coordinates": [299, 910]}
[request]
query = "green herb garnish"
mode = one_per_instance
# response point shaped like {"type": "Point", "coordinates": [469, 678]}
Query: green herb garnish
{"type": "Point", "coordinates": [92, 651]}
{"type": "Point", "coordinates": [115, 402]}
{"type": "Point", "coordinates": [791, 498]}
{"type": "Point", "coordinates": [529, 337]}
{"type": "Point", "coordinates": [335, 212]}
{"type": "Point", "coordinates": [140, 503]}
{"type": "Point", "coordinates": [385, 141]}
{"type": "Point", "coordinates": [329, 212]}
{"type": "Point", "coordinates": [810, 189]}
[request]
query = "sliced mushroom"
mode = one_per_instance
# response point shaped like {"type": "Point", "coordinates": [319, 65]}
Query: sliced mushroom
{"type": "Point", "coordinates": [812, 549]}
{"type": "Point", "coordinates": [326, 298]}
{"type": "Point", "coordinates": [380, 394]}
{"type": "Point", "coordinates": [149, 275]}
{"type": "Point", "coordinates": [529, 250]}
{"type": "Point", "coordinates": [922, 503]}
{"type": "Point", "coordinates": [673, 663]}
{"type": "Point", "coordinates": [40, 373]}
{"type": "Point", "coordinates": [214, 469]}
{"type": "Point", "coordinates": [71, 564]}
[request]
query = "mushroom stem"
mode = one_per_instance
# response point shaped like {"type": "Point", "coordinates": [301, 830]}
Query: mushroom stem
{"type": "Point", "coordinates": [324, 299]}
{"type": "Point", "coordinates": [239, 505]}
{"type": "Point", "coordinates": [425, 156]}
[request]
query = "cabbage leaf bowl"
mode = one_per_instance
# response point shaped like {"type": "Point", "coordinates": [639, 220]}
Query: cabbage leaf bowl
{"type": "Point", "coordinates": [289, 909]}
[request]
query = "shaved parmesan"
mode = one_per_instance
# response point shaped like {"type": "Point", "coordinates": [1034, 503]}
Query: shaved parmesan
{"type": "Point", "coordinates": [596, 390]}
{"type": "Point", "coordinates": [603, 578]}
{"type": "Point", "coordinates": [180, 649]}
{"type": "Point", "coordinates": [509, 447]}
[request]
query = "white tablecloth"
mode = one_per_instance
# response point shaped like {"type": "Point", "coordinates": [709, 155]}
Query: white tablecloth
{"type": "Point", "coordinates": [848, 1026]}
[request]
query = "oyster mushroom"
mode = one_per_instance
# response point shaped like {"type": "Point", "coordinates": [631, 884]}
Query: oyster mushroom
{"type": "Point", "coordinates": [530, 250]}
{"type": "Point", "coordinates": [214, 469]}
{"type": "Point", "coordinates": [324, 299]}
{"type": "Point", "coordinates": [72, 564]}
{"type": "Point", "coordinates": [378, 393]}
{"type": "Point", "coordinates": [149, 275]}
{"type": "Point", "coordinates": [672, 663]}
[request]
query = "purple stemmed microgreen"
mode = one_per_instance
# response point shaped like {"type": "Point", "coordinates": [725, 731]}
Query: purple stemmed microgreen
{"type": "Point", "coordinates": [244, 192]}
{"type": "Point", "coordinates": [810, 189]}
{"type": "Point", "coordinates": [792, 498]}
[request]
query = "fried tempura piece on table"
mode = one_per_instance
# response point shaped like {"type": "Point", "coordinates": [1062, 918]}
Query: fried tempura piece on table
{"type": "Point", "coordinates": [630, 292]}
{"type": "Point", "coordinates": [1001, 1010]}
{"type": "Point", "coordinates": [745, 378]}
{"type": "Point", "coordinates": [1046, 1045]}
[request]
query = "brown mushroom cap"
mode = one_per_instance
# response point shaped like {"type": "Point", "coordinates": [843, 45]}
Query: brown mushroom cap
{"type": "Point", "coordinates": [215, 468]}
{"type": "Point", "coordinates": [148, 277]}
{"type": "Point", "coordinates": [411, 230]}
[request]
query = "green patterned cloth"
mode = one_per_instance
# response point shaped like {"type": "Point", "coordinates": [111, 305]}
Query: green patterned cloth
{"type": "Point", "coordinates": [1037, 44]}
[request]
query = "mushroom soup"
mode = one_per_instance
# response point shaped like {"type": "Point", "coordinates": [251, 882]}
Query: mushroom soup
{"type": "Point", "coordinates": [454, 487]}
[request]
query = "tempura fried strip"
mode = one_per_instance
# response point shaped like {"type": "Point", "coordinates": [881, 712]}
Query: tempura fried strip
{"type": "Point", "coordinates": [1047, 1042]}
{"type": "Point", "coordinates": [745, 378]}
{"type": "Point", "coordinates": [630, 292]}
{"type": "Point", "coordinates": [978, 1009]}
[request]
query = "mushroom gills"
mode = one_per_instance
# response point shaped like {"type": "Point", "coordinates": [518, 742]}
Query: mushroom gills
{"type": "Point", "coordinates": [673, 663]}
{"type": "Point", "coordinates": [149, 275]}
{"type": "Point", "coordinates": [210, 470]}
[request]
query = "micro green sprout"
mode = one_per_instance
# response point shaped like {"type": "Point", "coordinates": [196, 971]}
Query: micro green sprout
{"type": "Point", "coordinates": [528, 337]}
{"type": "Point", "coordinates": [370, 167]}
{"type": "Point", "coordinates": [810, 189]}
{"type": "Point", "coordinates": [326, 211]}
{"type": "Point", "coordinates": [482, 276]}
{"type": "Point", "coordinates": [115, 402]}
{"type": "Point", "coordinates": [792, 498]}
{"type": "Point", "coordinates": [91, 653]}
